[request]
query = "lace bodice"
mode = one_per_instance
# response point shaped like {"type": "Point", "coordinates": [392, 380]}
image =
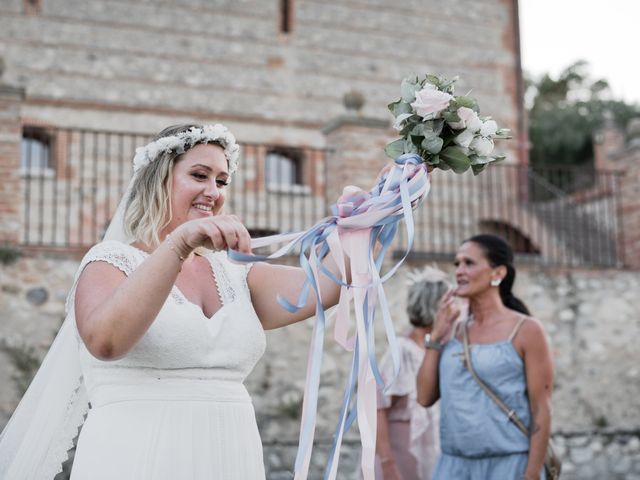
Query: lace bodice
{"type": "Point", "coordinates": [182, 342]}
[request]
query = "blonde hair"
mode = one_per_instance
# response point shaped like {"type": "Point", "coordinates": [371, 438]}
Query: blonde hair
{"type": "Point", "coordinates": [148, 208]}
{"type": "Point", "coordinates": [426, 288]}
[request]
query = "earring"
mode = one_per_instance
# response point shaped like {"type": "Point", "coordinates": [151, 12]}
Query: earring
{"type": "Point", "coordinates": [496, 282]}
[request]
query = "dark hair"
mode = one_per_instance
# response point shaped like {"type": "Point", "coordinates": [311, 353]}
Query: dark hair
{"type": "Point", "coordinates": [498, 252]}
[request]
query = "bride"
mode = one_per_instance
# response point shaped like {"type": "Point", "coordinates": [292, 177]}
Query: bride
{"type": "Point", "coordinates": [161, 331]}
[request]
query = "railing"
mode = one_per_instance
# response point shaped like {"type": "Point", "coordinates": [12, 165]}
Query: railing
{"type": "Point", "coordinates": [550, 216]}
{"type": "Point", "coordinates": [70, 197]}
{"type": "Point", "coordinates": [545, 223]}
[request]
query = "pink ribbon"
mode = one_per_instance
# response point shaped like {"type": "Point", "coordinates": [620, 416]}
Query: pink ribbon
{"type": "Point", "coordinates": [360, 220]}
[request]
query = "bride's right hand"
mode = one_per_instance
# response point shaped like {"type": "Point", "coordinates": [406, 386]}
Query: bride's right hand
{"type": "Point", "coordinates": [447, 314]}
{"type": "Point", "coordinates": [219, 232]}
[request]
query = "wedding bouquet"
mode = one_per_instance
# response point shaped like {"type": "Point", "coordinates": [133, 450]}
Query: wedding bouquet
{"type": "Point", "coordinates": [445, 130]}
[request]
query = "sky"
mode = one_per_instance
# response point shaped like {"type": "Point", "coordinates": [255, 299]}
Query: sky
{"type": "Point", "coordinates": [556, 33]}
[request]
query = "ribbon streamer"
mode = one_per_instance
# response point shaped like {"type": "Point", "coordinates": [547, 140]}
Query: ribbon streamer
{"type": "Point", "coordinates": [359, 220]}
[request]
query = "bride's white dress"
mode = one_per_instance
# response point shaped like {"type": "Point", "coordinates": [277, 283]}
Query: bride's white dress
{"type": "Point", "coordinates": [175, 406]}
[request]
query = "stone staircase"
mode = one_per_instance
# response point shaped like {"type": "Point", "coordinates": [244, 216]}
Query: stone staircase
{"type": "Point", "coordinates": [588, 230]}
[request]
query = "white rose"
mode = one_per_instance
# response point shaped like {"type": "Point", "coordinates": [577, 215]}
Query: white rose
{"type": "Point", "coordinates": [464, 139]}
{"type": "Point", "coordinates": [482, 146]}
{"type": "Point", "coordinates": [466, 115]}
{"type": "Point", "coordinates": [489, 129]}
{"type": "Point", "coordinates": [473, 122]}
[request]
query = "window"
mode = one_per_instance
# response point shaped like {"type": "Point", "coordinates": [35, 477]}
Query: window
{"type": "Point", "coordinates": [518, 240]}
{"type": "Point", "coordinates": [286, 16]}
{"type": "Point", "coordinates": [282, 169]}
{"type": "Point", "coordinates": [32, 7]}
{"type": "Point", "coordinates": [35, 151]}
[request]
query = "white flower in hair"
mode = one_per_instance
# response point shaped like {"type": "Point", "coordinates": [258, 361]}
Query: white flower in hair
{"type": "Point", "coordinates": [182, 141]}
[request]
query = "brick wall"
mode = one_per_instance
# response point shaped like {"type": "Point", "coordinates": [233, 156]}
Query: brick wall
{"type": "Point", "coordinates": [608, 142]}
{"type": "Point", "coordinates": [630, 207]}
{"type": "Point", "coordinates": [10, 135]}
{"type": "Point", "coordinates": [227, 59]}
{"type": "Point", "coordinates": [114, 65]}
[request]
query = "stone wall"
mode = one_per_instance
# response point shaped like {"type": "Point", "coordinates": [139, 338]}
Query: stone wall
{"type": "Point", "coordinates": [109, 65]}
{"type": "Point", "coordinates": [592, 318]}
{"type": "Point", "coordinates": [585, 456]}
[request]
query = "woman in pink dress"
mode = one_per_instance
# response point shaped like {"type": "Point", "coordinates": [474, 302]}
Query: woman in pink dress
{"type": "Point", "coordinates": [408, 443]}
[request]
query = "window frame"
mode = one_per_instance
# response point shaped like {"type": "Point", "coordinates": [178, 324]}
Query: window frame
{"type": "Point", "coordinates": [297, 185]}
{"type": "Point", "coordinates": [46, 141]}
{"type": "Point", "coordinates": [285, 17]}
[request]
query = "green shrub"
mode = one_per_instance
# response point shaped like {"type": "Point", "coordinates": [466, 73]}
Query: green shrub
{"type": "Point", "coordinates": [9, 255]}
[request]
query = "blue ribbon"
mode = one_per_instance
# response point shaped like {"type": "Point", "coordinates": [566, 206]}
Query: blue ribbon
{"type": "Point", "coordinates": [313, 249]}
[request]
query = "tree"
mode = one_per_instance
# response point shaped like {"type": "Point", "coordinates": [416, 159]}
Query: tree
{"type": "Point", "coordinates": [566, 111]}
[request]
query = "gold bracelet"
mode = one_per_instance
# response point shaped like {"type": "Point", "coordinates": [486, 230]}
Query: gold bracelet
{"type": "Point", "coordinates": [172, 246]}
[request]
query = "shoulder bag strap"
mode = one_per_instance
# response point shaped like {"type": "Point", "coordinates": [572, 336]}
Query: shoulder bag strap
{"type": "Point", "coordinates": [509, 412]}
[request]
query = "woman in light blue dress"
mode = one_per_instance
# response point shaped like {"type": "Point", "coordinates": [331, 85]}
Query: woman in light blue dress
{"type": "Point", "coordinates": [509, 352]}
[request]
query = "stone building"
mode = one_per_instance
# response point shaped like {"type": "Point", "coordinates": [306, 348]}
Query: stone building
{"type": "Point", "coordinates": [304, 87]}
{"type": "Point", "coordinates": [89, 81]}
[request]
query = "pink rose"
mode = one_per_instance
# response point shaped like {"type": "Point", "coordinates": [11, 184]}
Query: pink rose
{"type": "Point", "coordinates": [430, 102]}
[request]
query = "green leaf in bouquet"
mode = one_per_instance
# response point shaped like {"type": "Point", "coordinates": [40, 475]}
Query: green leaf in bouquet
{"type": "Point", "coordinates": [428, 129]}
{"type": "Point", "coordinates": [503, 133]}
{"type": "Point", "coordinates": [456, 159]}
{"type": "Point", "coordinates": [400, 107]}
{"type": "Point", "coordinates": [395, 148]}
{"type": "Point", "coordinates": [419, 129]}
{"type": "Point", "coordinates": [416, 140]}
{"type": "Point", "coordinates": [447, 136]}
{"type": "Point", "coordinates": [429, 133]}
{"type": "Point", "coordinates": [412, 79]}
{"type": "Point", "coordinates": [402, 120]}
{"type": "Point", "coordinates": [433, 80]}
{"type": "Point", "coordinates": [434, 160]}
{"type": "Point", "coordinates": [476, 169]}
{"type": "Point", "coordinates": [432, 144]}
{"type": "Point", "coordinates": [409, 125]}
{"type": "Point", "coordinates": [409, 147]}
{"type": "Point", "coordinates": [408, 90]}
{"type": "Point", "coordinates": [469, 102]}
{"type": "Point", "coordinates": [437, 126]}
{"type": "Point", "coordinates": [451, 116]}
{"type": "Point", "coordinates": [447, 85]}
{"type": "Point", "coordinates": [478, 160]}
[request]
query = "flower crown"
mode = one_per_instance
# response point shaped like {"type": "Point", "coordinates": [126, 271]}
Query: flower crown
{"type": "Point", "coordinates": [183, 141]}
